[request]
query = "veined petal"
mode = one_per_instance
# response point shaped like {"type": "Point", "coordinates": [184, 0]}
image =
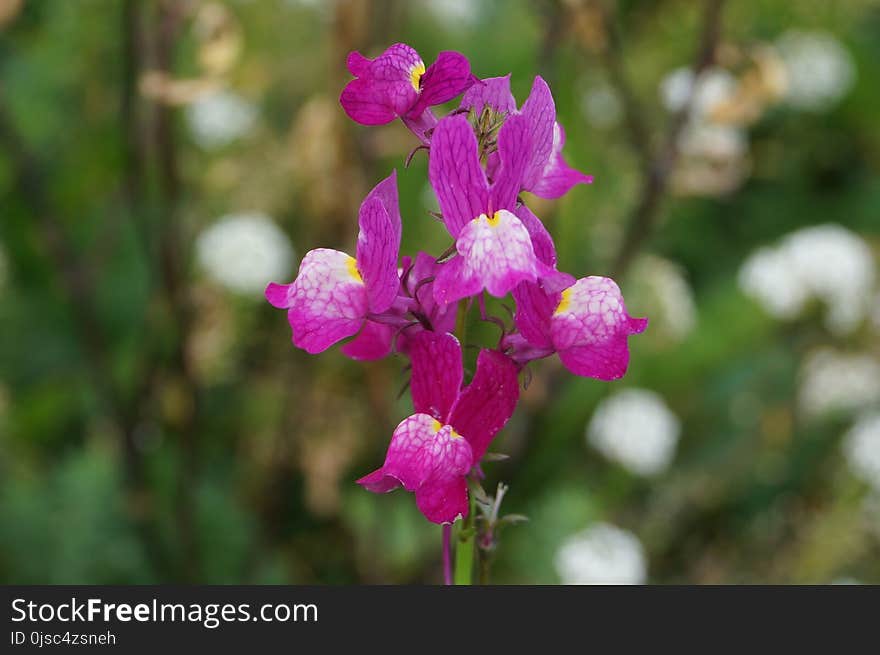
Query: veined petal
{"type": "Point", "coordinates": [488, 401]}
{"type": "Point", "coordinates": [374, 341]}
{"type": "Point", "coordinates": [421, 450]}
{"type": "Point", "coordinates": [557, 177]}
{"type": "Point", "coordinates": [446, 78]}
{"type": "Point", "coordinates": [328, 300]}
{"type": "Point", "coordinates": [443, 500]}
{"type": "Point", "coordinates": [539, 111]}
{"type": "Point", "coordinates": [425, 267]}
{"type": "Point", "coordinates": [514, 148]}
{"type": "Point", "coordinates": [534, 307]}
{"type": "Point", "coordinates": [384, 88]}
{"type": "Point", "coordinates": [422, 125]}
{"type": "Point", "coordinates": [437, 373]}
{"type": "Point", "coordinates": [495, 254]}
{"type": "Point", "coordinates": [455, 173]}
{"type": "Point", "coordinates": [379, 243]}
{"type": "Point", "coordinates": [492, 91]}
{"type": "Point", "coordinates": [590, 326]}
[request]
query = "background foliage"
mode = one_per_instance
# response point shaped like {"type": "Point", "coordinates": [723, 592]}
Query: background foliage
{"type": "Point", "coordinates": [157, 425]}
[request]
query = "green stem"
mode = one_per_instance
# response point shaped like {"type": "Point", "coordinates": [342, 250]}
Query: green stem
{"type": "Point", "coordinates": [464, 549]}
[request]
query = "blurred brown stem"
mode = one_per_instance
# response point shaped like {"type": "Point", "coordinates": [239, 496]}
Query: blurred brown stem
{"type": "Point", "coordinates": [658, 166]}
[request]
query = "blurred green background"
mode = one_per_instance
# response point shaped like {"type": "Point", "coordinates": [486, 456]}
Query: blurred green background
{"type": "Point", "coordinates": [161, 161]}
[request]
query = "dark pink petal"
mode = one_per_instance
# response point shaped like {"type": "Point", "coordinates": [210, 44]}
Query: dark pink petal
{"type": "Point", "coordinates": [545, 250]}
{"type": "Point", "coordinates": [426, 457]}
{"type": "Point", "coordinates": [446, 78]}
{"type": "Point", "coordinates": [357, 64]}
{"type": "Point", "coordinates": [514, 148]}
{"type": "Point", "coordinates": [436, 373]}
{"type": "Point", "coordinates": [540, 114]}
{"type": "Point", "coordinates": [328, 302]}
{"type": "Point", "coordinates": [378, 482]}
{"type": "Point", "coordinates": [589, 327]}
{"type": "Point", "coordinates": [422, 126]}
{"type": "Point", "coordinates": [379, 243]}
{"type": "Point", "coordinates": [494, 253]}
{"type": "Point", "coordinates": [444, 500]}
{"type": "Point", "coordinates": [558, 177]}
{"type": "Point", "coordinates": [279, 295]}
{"type": "Point", "coordinates": [373, 342]}
{"type": "Point", "coordinates": [441, 316]}
{"type": "Point", "coordinates": [386, 87]}
{"type": "Point", "coordinates": [492, 91]}
{"type": "Point", "coordinates": [455, 173]}
{"type": "Point", "coordinates": [488, 401]}
{"type": "Point", "coordinates": [534, 307]}
{"type": "Point", "coordinates": [455, 280]}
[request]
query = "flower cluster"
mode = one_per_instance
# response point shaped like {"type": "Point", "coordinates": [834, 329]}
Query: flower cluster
{"type": "Point", "coordinates": [481, 157]}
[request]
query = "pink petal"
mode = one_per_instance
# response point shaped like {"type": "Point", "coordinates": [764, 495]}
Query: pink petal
{"type": "Point", "coordinates": [379, 243]}
{"type": "Point", "coordinates": [446, 78]}
{"type": "Point", "coordinates": [545, 250]}
{"type": "Point", "coordinates": [494, 254]}
{"type": "Point", "coordinates": [455, 173]}
{"type": "Point", "coordinates": [590, 326]}
{"type": "Point", "coordinates": [279, 295]}
{"type": "Point", "coordinates": [441, 316]}
{"type": "Point", "coordinates": [558, 177]}
{"type": "Point", "coordinates": [384, 87]}
{"type": "Point", "coordinates": [429, 458]}
{"type": "Point", "coordinates": [436, 373]}
{"type": "Point", "coordinates": [373, 342]}
{"type": "Point", "coordinates": [422, 125]}
{"type": "Point", "coordinates": [534, 307]}
{"type": "Point", "coordinates": [540, 114]}
{"type": "Point", "coordinates": [329, 300]}
{"type": "Point", "coordinates": [443, 500]}
{"type": "Point", "coordinates": [488, 401]}
{"type": "Point", "coordinates": [514, 147]}
{"type": "Point", "coordinates": [492, 91]}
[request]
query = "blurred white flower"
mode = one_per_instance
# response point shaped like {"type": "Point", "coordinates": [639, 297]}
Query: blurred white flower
{"type": "Point", "coordinates": [602, 107]}
{"type": "Point", "coordinates": [601, 554]}
{"type": "Point", "coordinates": [861, 447]}
{"type": "Point", "coordinates": [665, 295]}
{"type": "Point", "coordinates": [826, 262]}
{"type": "Point", "coordinates": [835, 381]}
{"type": "Point", "coordinates": [713, 142]}
{"type": "Point", "coordinates": [219, 118]}
{"type": "Point", "coordinates": [819, 68]}
{"type": "Point", "coordinates": [713, 88]}
{"type": "Point", "coordinates": [245, 252]}
{"type": "Point", "coordinates": [454, 12]}
{"type": "Point", "coordinates": [635, 428]}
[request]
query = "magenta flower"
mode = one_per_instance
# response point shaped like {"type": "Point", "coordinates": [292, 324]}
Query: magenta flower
{"type": "Point", "coordinates": [587, 324]}
{"type": "Point", "coordinates": [334, 293]}
{"type": "Point", "coordinates": [432, 451]}
{"type": "Point", "coordinates": [494, 246]}
{"type": "Point", "coordinates": [546, 173]}
{"type": "Point", "coordinates": [396, 84]}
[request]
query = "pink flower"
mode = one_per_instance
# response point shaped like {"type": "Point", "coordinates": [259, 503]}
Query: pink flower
{"type": "Point", "coordinates": [494, 244]}
{"type": "Point", "coordinates": [432, 451]}
{"type": "Point", "coordinates": [397, 84]}
{"type": "Point", "coordinates": [587, 324]}
{"type": "Point", "coordinates": [334, 293]}
{"type": "Point", "coordinates": [546, 173]}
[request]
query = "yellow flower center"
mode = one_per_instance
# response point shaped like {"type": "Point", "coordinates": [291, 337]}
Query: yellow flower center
{"type": "Point", "coordinates": [415, 75]}
{"type": "Point", "coordinates": [437, 426]}
{"type": "Point", "coordinates": [564, 302]}
{"type": "Point", "coordinates": [493, 220]}
{"type": "Point", "coordinates": [353, 271]}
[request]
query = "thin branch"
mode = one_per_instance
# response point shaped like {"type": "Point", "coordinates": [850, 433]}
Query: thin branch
{"type": "Point", "coordinates": [644, 216]}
